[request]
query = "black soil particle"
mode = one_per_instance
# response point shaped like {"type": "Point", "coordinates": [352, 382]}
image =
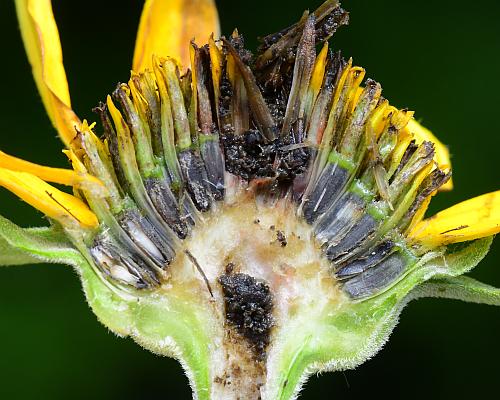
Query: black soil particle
{"type": "Point", "coordinates": [281, 238]}
{"type": "Point", "coordinates": [248, 307]}
{"type": "Point", "coordinates": [252, 156]}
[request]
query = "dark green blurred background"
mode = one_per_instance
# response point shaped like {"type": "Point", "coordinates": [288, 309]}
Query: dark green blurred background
{"type": "Point", "coordinates": [438, 58]}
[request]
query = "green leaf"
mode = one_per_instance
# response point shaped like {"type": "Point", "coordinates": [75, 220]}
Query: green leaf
{"type": "Point", "coordinates": [460, 258]}
{"type": "Point", "coordinates": [459, 288]}
{"type": "Point", "coordinates": [35, 245]}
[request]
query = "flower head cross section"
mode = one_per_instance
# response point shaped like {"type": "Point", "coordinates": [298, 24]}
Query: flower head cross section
{"type": "Point", "coordinates": [260, 217]}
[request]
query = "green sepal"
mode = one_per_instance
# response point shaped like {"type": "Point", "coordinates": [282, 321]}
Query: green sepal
{"type": "Point", "coordinates": [346, 334]}
{"type": "Point", "coordinates": [20, 246]}
{"type": "Point", "coordinates": [459, 288]}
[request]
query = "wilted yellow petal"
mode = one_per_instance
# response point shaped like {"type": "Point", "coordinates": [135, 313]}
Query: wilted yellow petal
{"type": "Point", "coordinates": [404, 139]}
{"type": "Point", "coordinates": [442, 156]}
{"type": "Point", "coordinates": [56, 175]}
{"type": "Point", "coordinates": [340, 85]}
{"type": "Point", "coordinates": [63, 207]}
{"type": "Point", "coordinates": [377, 121]}
{"type": "Point", "coordinates": [319, 71]}
{"type": "Point", "coordinates": [472, 219]}
{"type": "Point", "coordinates": [420, 213]}
{"type": "Point", "coordinates": [167, 27]}
{"type": "Point", "coordinates": [194, 77]}
{"type": "Point", "coordinates": [216, 60]}
{"type": "Point", "coordinates": [357, 76]}
{"type": "Point", "coordinates": [41, 41]}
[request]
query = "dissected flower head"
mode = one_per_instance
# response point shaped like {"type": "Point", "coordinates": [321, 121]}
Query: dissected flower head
{"type": "Point", "coordinates": [259, 216]}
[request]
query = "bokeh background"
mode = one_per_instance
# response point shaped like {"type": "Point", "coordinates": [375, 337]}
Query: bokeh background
{"type": "Point", "coordinates": [440, 58]}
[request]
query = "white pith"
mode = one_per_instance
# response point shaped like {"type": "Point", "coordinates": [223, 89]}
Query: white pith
{"type": "Point", "coordinates": [300, 279]}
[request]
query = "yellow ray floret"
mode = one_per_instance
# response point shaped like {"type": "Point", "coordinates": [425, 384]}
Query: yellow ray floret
{"type": "Point", "coordinates": [63, 207]}
{"type": "Point", "coordinates": [472, 219]}
{"type": "Point", "coordinates": [167, 27]}
{"type": "Point", "coordinates": [56, 175]}
{"type": "Point", "coordinates": [442, 156]}
{"type": "Point", "coordinates": [41, 40]}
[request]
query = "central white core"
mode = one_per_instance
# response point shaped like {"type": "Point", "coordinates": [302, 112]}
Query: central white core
{"type": "Point", "coordinates": [269, 243]}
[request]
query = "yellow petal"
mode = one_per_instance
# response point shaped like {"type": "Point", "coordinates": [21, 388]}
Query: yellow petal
{"type": "Point", "coordinates": [340, 86]}
{"type": "Point", "coordinates": [319, 71]}
{"type": "Point", "coordinates": [377, 121]}
{"type": "Point", "coordinates": [57, 175]}
{"type": "Point", "coordinates": [358, 75]}
{"type": "Point", "coordinates": [420, 213]}
{"type": "Point", "coordinates": [41, 41]}
{"type": "Point", "coordinates": [216, 61]}
{"type": "Point", "coordinates": [63, 207]}
{"type": "Point", "coordinates": [404, 139]}
{"type": "Point", "coordinates": [472, 219]}
{"type": "Point", "coordinates": [167, 27]}
{"type": "Point", "coordinates": [194, 78]}
{"type": "Point", "coordinates": [442, 156]}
